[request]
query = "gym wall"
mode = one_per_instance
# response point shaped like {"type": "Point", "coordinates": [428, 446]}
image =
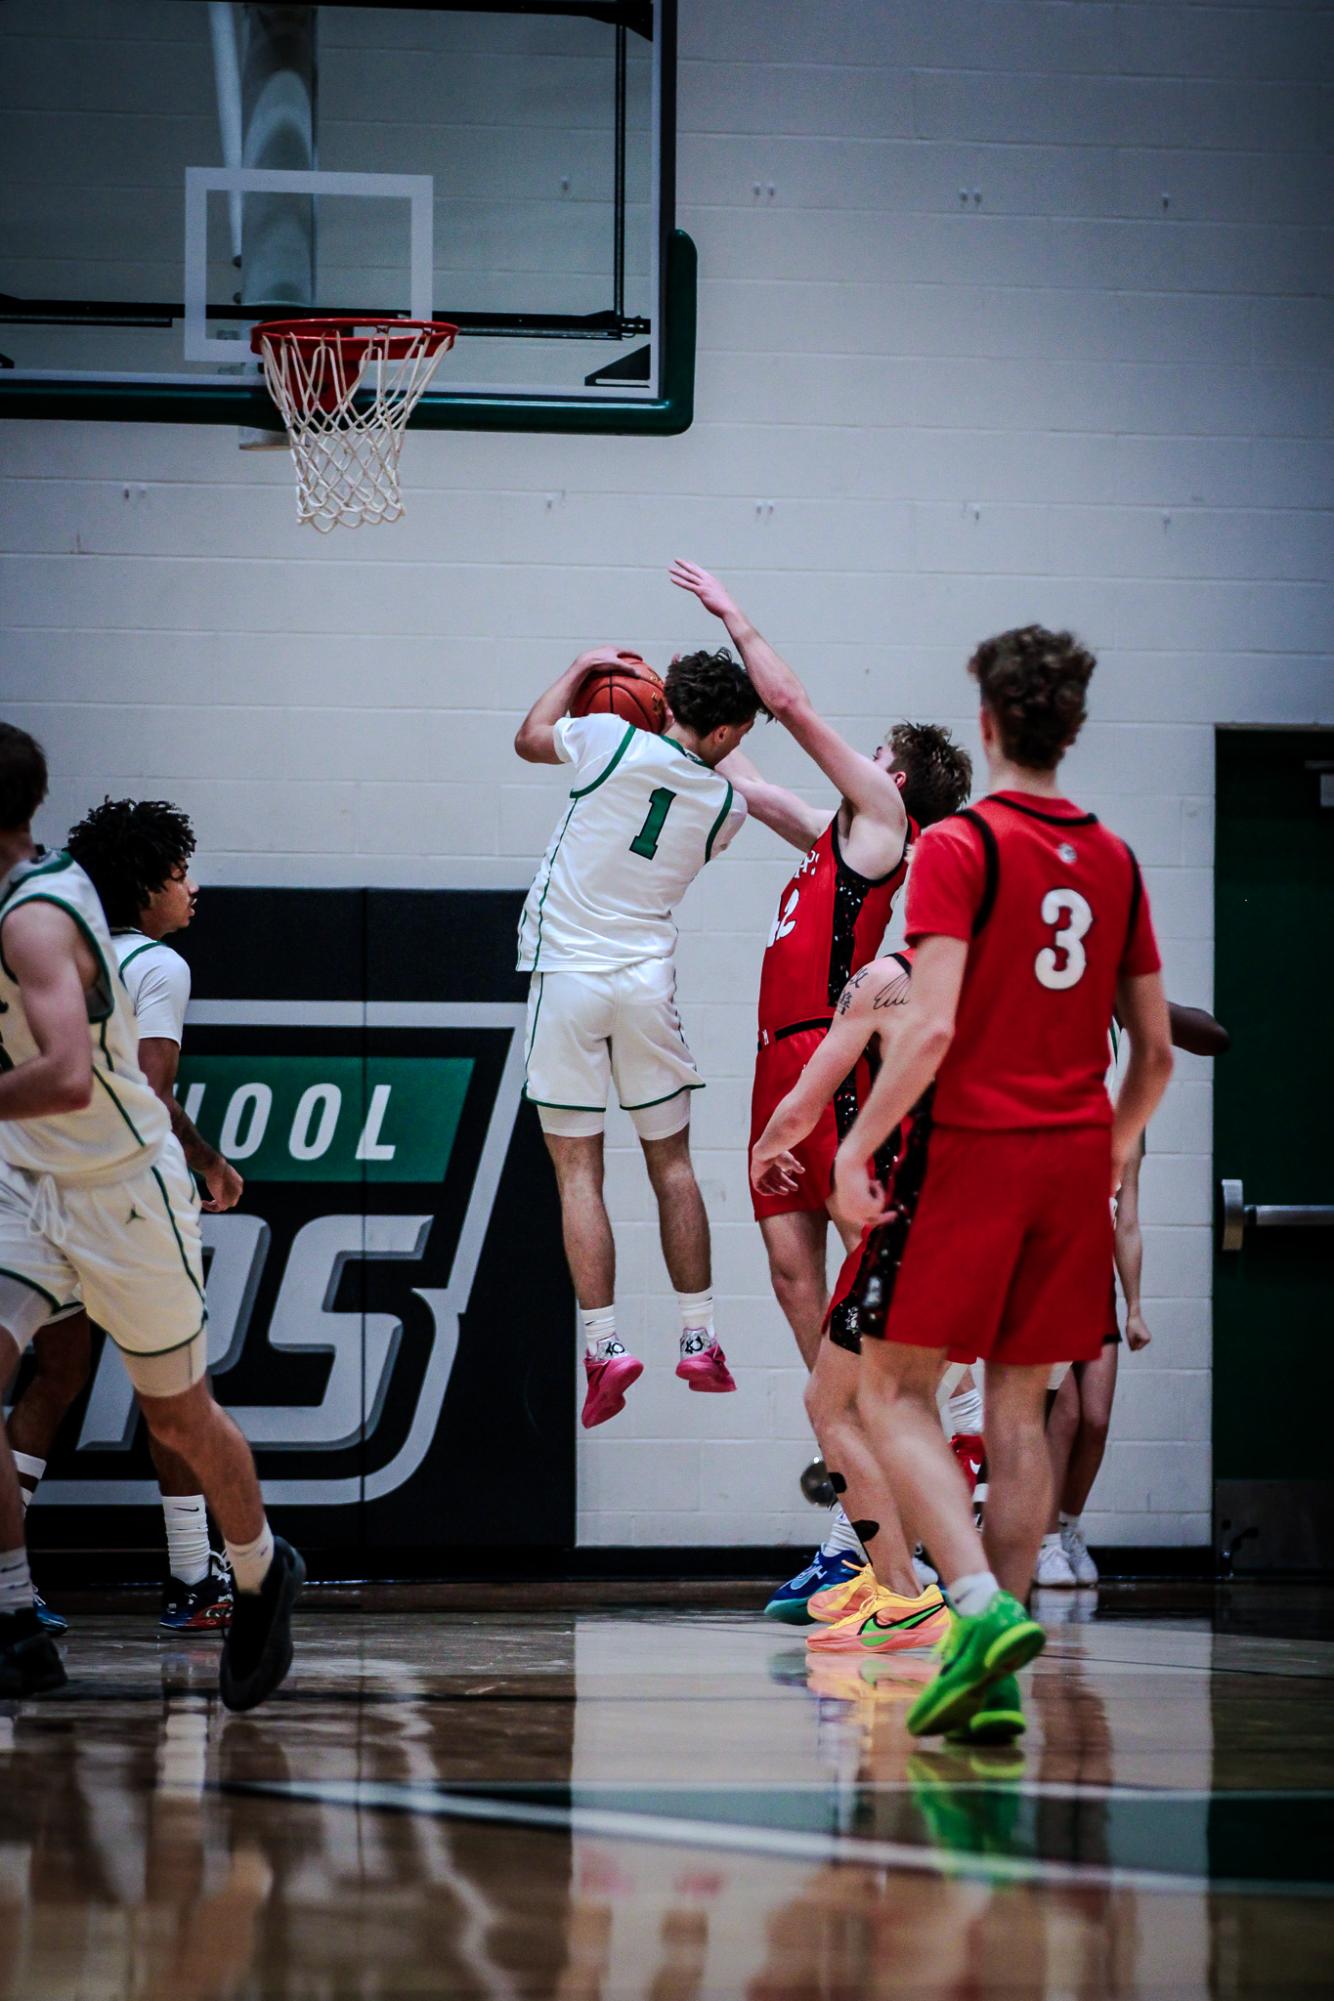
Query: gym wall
{"type": "Point", "coordinates": [1007, 312]}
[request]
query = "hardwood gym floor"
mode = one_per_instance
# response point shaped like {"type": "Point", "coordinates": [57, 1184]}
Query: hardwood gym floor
{"type": "Point", "coordinates": [665, 1804]}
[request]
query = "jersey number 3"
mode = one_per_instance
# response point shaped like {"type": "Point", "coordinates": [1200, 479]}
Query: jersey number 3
{"type": "Point", "coordinates": [645, 842]}
{"type": "Point", "coordinates": [1061, 964]}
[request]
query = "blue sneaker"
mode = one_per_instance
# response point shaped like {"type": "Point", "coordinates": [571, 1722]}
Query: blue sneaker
{"type": "Point", "coordinates": [789, 1602]}
{"type": "Point", "coordinates": [204, 1607]}
{"type": "Point", "coordinates": [52, 1622]}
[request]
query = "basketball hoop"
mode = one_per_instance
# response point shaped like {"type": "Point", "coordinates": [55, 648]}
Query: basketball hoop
{"type": "Point", "coordinates": [346, 388]}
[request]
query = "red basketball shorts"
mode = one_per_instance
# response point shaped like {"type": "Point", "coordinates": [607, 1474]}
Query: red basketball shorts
{"type": "Point", "coordinates": [777, 1068]}
{"type": "Point", "coordinates": [998, 1249]}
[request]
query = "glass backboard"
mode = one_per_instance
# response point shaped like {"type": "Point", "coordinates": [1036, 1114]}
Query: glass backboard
{"type": "Point", "coordinates": [179, 171]}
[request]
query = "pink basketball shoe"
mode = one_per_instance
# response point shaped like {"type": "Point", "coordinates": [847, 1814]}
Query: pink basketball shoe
{"type": "Point", "coordinates": [608, 1382]}
{"type": "Point", "coordinates": [703, 1367]}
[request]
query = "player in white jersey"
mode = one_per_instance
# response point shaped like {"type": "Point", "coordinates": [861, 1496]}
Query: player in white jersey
{"type": "Point", "coordinates": [137, 855]}
{"type": "Point", "coordinates": [95, 1195]}
{"type": "Point", "coordinates": [598, 936]}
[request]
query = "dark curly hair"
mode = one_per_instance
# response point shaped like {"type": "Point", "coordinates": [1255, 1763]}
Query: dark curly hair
{"type": "Point", "coordinates": [1035, 683]}
{"type": "Point", "coordinates": [940, 771]}
{"type": "Point", "coordinates": [22, 777]}
{"type": "Point", "coordinates": [705, 690]}
{"type": "Point", "coordinates": [131, 848]}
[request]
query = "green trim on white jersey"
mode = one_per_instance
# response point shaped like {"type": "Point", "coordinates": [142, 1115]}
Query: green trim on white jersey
{"type": "Point", "coordinates": [607, 769]}
{"type": "Point", "coordinates": [45, 896]}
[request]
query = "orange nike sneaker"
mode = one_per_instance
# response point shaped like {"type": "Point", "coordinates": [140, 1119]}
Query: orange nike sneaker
{"type": "Point", "coordinates": [889, 1625]}
{"type": "Point", "coordinates": [844, 1636]}
{"type": "Point", "coordinates": [896, 1624]}
{"type": "Point", "coordinates": [839, 1601]}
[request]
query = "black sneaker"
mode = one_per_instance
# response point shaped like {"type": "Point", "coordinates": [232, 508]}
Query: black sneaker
{"type": "Point", "coordinates": [257, 1651]}
{"type": "Point", "coordinates": [202, 1607]}
{"type": "Point", "coordinates": [29, 1661]}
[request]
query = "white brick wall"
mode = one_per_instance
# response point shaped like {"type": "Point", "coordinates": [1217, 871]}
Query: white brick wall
{"type": "Point", "coordinates": [1033, 326]}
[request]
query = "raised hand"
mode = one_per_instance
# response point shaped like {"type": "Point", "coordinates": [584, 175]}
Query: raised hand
{"type": "Point", "coordinates": [711, 594]}
{"type": "Point", "coordinates": [603, 656]}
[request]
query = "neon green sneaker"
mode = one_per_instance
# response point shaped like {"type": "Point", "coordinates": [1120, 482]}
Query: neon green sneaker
{"type": "Point", "coordinates": [968, 1808]}
{"type": "Point", "coordinates": [977, 1653]}
{"type": "Point", "coordinates": [997, 1719]}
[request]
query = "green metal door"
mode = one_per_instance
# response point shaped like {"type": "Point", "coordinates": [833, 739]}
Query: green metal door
{"type": "Point", "coordinates": [1273, 1378]}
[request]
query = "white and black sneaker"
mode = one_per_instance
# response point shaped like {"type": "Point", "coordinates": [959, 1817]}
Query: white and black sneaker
{"type": "Point", "coordinates": [257, 1651]}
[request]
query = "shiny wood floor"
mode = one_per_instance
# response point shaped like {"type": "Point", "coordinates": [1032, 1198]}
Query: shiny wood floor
{"type": "Point", "coordinates": [666, 1804]}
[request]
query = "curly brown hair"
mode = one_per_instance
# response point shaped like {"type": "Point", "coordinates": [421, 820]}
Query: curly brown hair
{"type": "Point", "coordinates": [940, 771]}
{"type": "Point", "coordinates": [1035, 684]}
{"type": "Point", "coordinates": [131, 848]}
{"type": "Point", "coordinates": [705, 690]}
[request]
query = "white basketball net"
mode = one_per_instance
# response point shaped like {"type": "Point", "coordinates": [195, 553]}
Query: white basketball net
{"type": "Point", "coordinates": [346, 398]}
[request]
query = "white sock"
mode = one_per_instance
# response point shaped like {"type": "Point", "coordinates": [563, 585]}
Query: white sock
{"type": "Point", "coordinates": [696, 1318]}
{"type": "Point", "coordinates": [186, 1517]}
{"type": "Point", "coordinates": [30, 1473]}
{"type": "Point", "coordinates": [600, 1332]}
{"type": "Point", "coordinates": [964, 1411]}
{"type": "Point", "coordinates": [840, 1540]}
{"type": "Point", "coordinates": [972, 1594]}
{"type": "Point", "coordinates": [1075, 1522]}
{"type": "Point", "coordinates": [250, 1560]}
{"type": "Point", "coordinates": [15, 1581]}
{"type": "Point", "coordinates": [1052, 1540]}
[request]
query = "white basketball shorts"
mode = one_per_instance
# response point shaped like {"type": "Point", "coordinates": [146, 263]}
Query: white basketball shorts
{"type": "Point", "coordinates": [587, 1029]}
{"type": "Point", "coordinates": [130, 1249]}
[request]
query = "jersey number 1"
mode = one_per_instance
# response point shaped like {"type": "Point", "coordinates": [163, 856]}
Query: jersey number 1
{"type": "Point", "coordinates": [1061, 964]}
{"type": "Point", "coordinates": [645, 842]}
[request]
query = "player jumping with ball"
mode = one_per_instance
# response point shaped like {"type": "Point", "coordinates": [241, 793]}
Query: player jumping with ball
{"type": "Point", "coordinates": [645, 813]}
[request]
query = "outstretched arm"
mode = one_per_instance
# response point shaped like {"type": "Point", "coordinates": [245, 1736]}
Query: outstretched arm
{"type": "Point", "coordinates": [871, 789]}
{"type": "Point", "coordinates": [534, 739]}
{"type": "Point", "coordinates": [917, 1052]}
{"type": "Point", "coordinates": [773, 805]}
{"type": "Point", "coordinates": [881, 985]}
{"type": "Point", "coordinates": [55, 969]}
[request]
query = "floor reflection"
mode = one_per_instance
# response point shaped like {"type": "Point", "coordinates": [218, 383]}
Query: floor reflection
{"type": "Point", "coordinates": [664, 1808]}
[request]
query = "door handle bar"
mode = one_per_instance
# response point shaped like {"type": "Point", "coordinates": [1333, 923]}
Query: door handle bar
{"type": "Point", "coordinates": [1237, 1215]}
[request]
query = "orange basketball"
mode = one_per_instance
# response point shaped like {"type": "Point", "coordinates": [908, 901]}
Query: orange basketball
{"type": "Point", "coordinates": [630, 690]}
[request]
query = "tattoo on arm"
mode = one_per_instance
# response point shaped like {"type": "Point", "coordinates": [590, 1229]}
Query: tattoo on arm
{"type": "Point", "coordinates": [848, 994]}
{"type": "Point", "coordinates": [894, 993]}
{"type": "Point", "coordinates": [198, 1153]}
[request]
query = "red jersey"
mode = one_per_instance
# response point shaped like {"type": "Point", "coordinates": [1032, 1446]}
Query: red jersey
{"type": "Point", "coordinates": [829, 925]}
{"type": "Point", "coordinates": [1054, 913]}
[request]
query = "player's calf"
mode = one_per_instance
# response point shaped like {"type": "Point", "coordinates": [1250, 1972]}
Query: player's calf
{"type": "Point", "coordinates": [267, 1572]}
{"type": "Point", "coordinates": [29, 1662]}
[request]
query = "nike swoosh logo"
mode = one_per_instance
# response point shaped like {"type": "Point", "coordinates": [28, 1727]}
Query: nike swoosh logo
{"type": "Point", "coordinates": [905, 1624]}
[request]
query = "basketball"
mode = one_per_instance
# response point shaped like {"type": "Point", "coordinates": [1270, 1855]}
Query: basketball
{"type": "Point", "coordinates": [630, 690]}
